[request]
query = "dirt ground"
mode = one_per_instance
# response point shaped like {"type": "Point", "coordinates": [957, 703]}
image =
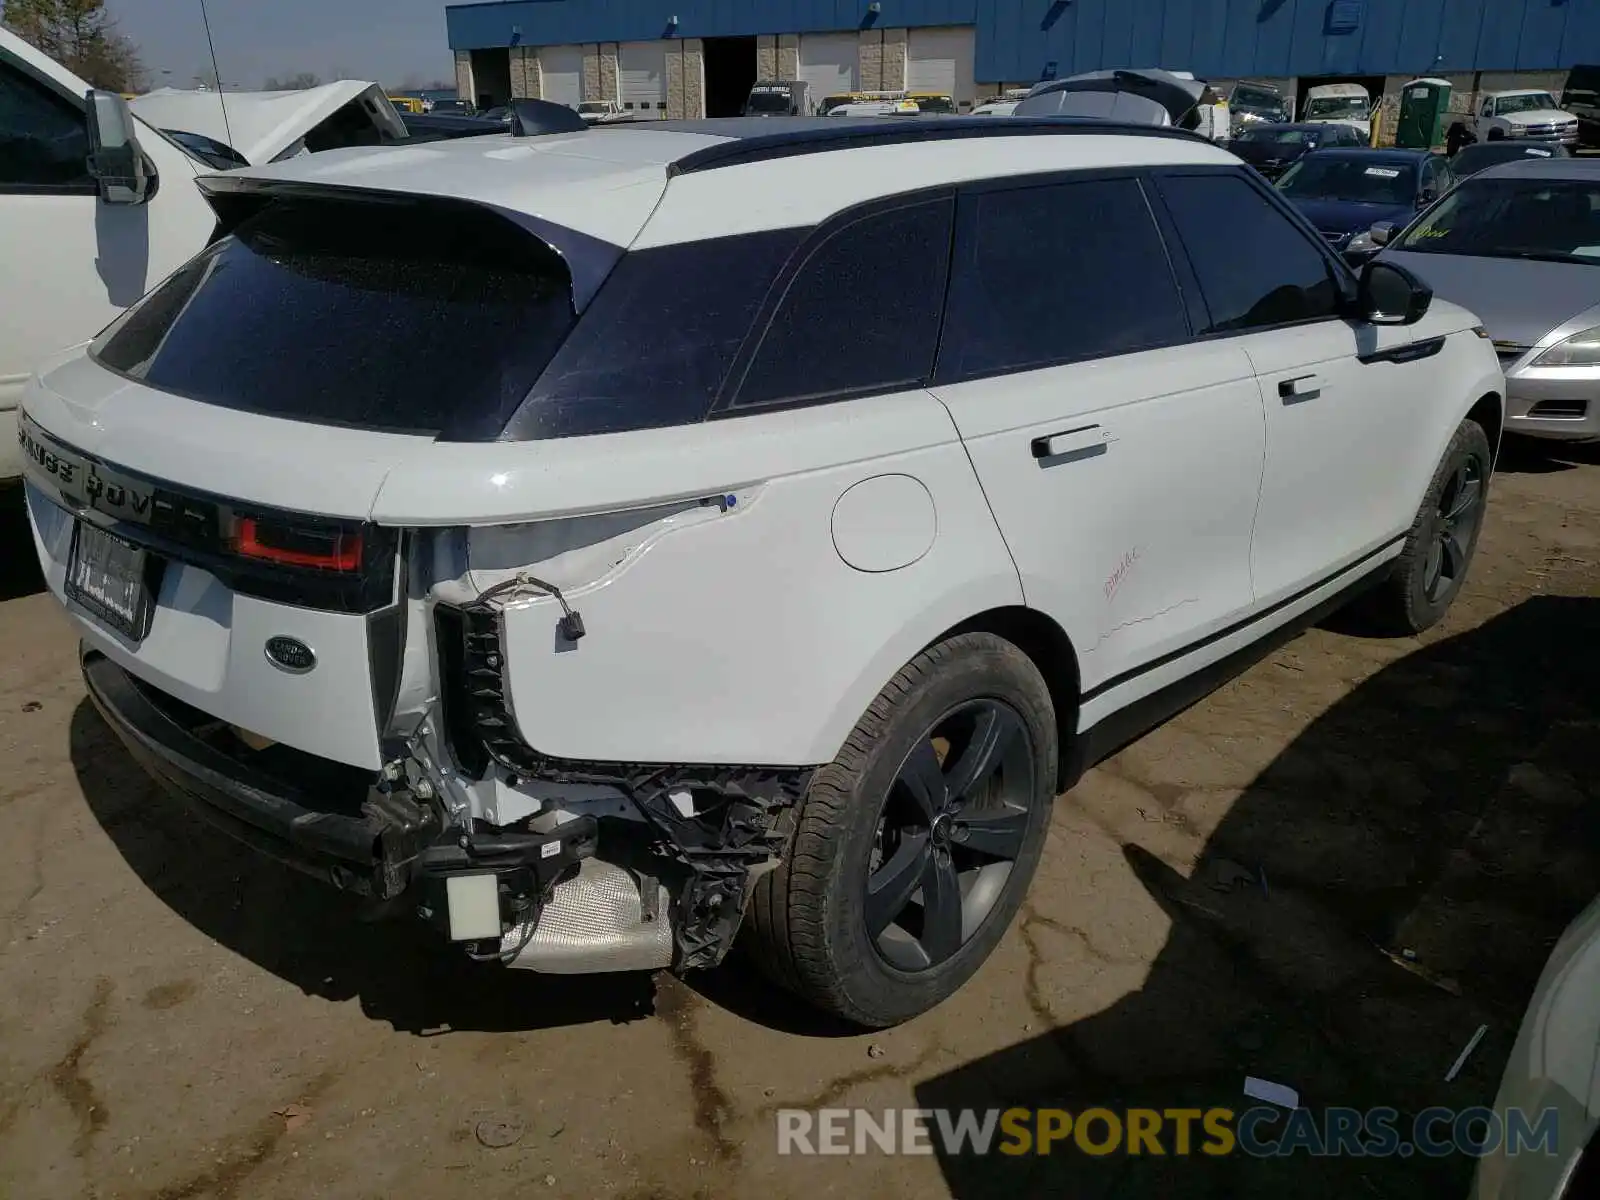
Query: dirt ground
{"type": "Point", "coordinates": [180, 1020]}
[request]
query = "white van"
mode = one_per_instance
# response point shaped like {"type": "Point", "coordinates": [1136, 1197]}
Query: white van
{"type": "Point", "coordinates": [1339, 104]}
{"type": "Point", "coordinates": [98, 207]}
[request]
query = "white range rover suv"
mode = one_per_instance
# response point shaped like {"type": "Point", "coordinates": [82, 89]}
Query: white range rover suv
{"type": "Point", "coordinates": [596, 542]}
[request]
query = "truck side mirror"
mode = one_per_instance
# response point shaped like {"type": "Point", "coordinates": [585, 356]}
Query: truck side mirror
{"type": "Point", "coordinates": [116, 160]}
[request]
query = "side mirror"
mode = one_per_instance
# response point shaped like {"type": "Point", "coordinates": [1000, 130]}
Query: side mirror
{"type": "Point", "coordinates": [116, 160]}
{"type": "Point", "coordinates": [1381, 233]}
{"type": "Point", "coordinates": [1391, 295]}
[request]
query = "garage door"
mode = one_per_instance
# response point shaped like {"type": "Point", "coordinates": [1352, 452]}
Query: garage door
{"type": "Point", "coordinates": [941, 60]}
{"type": "Point", "coordinates": [642, 67]}
{"type": "Point", "coordinates": [562, 68]}
{"type": "Point", "coordinates": [829, 64]}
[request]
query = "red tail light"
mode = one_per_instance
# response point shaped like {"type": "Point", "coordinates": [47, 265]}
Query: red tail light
{"type": "Point", "coordinates": [330, 550]}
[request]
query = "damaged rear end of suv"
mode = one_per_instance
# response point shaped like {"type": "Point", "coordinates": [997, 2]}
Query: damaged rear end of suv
{"type": "Point", "coordinates": [287, 499]}
{"type": "Point", "coordinates": [406, 545]}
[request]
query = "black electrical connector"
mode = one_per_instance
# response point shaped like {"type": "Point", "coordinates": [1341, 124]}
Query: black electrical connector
{"type": "Point", "coordinates": [571, 623]}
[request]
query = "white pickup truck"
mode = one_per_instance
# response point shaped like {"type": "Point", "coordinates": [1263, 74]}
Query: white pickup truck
{"type": "Point", "coordinates": [603, 112]}
{"type": "Point", "coordinates": [1531, 114]}
{"type": "Point", "coordinates": [1339, 104]}
{"type": "Point", "coordinates": [98, 203]}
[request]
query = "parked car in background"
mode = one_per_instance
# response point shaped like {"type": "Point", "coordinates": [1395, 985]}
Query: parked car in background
{"type": "Point", "coordinates": [937, 103]}
{"type": "Point", "coordinates": [1255, 104]}
{"type": "Point", "coordinates": [603, 112]}
{"type": "Point", "coordinates": [1529, 114]}
{"type": "Point", "coordinates": [1554, 1065]}
{"type": "Point", "coordinates": [778, 98]}
{"type": "Point", "coordinates": [875, 108]}
{"type": "Point", "coordinates": [98, 203]}
{"type": "Point", "coordinates": [1581, 98]}
{"type": "Point", "coordinates": [263, 127]}
{"type": "Point", "coordinates": [1469, 160]}
{"type": "Point", "coordinates": [1345, 192]}
{"type": "Point", "coordinates": [1341, 103]}
{"type": "Point", "coordinates": [1520, 245]}
{"type": "Point", "coordinates": [1273, 149]}
{"type": "Point", "coordinates": [910, 520]}
{"type": "Point", "coordinates": [1144, 97]}
{"type": "Point", "coordinates": [435, 127]}
{"type": "Point", "coordinates": [452, 108]}
{"type": "Point", "coordinates": [409, 104]}
{"type": "Point", "coordinates": [212, 152]}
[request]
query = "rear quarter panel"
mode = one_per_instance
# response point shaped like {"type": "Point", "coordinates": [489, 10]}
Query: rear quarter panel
{"type": "Point", "coordinates": [745, 636]}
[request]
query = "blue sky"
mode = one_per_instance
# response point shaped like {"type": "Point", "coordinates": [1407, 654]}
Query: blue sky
{"type": "Point", "coordinates": [391, 41]}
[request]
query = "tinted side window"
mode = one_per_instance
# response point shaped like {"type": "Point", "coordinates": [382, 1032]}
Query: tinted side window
{"type": "Point", "coordinates": [1052, 273]}
{"type": "Point", "coordinates": [44, 141]}
{"type": "Point", "coordinates": [862, 312]}
{"type": "Point", "coordinates": [655, 345]}
{"type": "Point", "coordinates": [1273, 276]}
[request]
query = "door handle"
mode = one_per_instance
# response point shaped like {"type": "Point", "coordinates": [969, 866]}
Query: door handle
{"type": "Point", "coordinates": [1301, 387]}
{"type": "Point", "coordinates": [1082, 442]}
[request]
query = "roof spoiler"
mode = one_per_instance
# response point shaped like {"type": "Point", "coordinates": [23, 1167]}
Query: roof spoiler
{"type": "Point", "coordinates": [236, 196]}
{"type": "Point", "coordinates": [530, 118]}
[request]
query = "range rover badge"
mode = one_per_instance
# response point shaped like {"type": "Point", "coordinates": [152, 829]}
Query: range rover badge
{"type": "Point", "coordinates": [291, 655]}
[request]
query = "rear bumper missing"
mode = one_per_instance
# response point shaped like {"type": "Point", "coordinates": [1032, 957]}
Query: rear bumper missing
{"type": "Point", "coordinates": [354, 850]}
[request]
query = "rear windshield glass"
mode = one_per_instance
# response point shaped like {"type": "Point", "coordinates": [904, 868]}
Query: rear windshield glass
{"type": "Point", "coordinates": [422, 317]}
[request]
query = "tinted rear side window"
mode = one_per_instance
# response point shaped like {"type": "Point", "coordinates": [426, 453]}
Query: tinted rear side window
{"type": "Point", "coordinates": [398, 316]}
{"type": "Point", "coordinates": [655, 345]}
{"type": "Point", "coordinates": [1054, 273]}
{"type": "Point", "coordinates": [1256, 268]}
{"type": "Point", "coordinates": [861, 314]}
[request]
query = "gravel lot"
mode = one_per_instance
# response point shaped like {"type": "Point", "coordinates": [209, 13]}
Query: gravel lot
{"type": "Point", "coordinates": [183, 1021]}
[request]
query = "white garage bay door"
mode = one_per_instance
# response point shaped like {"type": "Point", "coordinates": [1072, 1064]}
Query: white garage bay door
{"type": "Point", "coordinates": [642, 67]}
{"type": "Point", "coordinates": [941, 60]}
{"type": "Point", "coordinates": [562, 69]}
{"type": "Point", "coordinates": [829, 64]}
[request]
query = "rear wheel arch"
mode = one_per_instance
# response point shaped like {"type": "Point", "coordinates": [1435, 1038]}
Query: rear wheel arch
{"type": "Point", "coordinates": [1052, 652]}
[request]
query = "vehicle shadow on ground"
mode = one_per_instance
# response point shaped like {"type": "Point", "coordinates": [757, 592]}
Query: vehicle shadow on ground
{"type": "Point", "coordinates": [19, 563]}
{"type": "Point", "coordinates": [1447, 808]}
{"type": "Point", "coordinates": [1542, 456]}
{"type": "Point", "coordinates": [314, 937]}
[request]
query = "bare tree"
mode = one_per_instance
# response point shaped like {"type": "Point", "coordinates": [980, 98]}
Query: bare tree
{"type": "Point", "coordinates": [81, 36]}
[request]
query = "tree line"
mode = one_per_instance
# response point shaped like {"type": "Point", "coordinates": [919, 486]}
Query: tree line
{"type": "Point", "coordinates": [81, 36]}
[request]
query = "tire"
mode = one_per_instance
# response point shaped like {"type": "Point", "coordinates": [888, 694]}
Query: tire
{"type": "Point", "coordinates": [862, 828]}
{"type": "Point", "coordinates": [1428, 575]}
{"type": "Point", "coordinates": [1496, 135]}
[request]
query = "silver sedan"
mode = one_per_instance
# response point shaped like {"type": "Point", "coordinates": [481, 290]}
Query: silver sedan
{"type": "Point", "coordinates": [1519, 245]}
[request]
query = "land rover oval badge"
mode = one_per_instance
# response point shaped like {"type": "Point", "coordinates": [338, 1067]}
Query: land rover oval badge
{"type": "Point", "coordinates": [290, 654]}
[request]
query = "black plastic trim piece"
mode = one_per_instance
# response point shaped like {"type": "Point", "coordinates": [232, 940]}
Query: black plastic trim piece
{"type": "Point", "coordinates": [1410, 352]}
{"type": "Point", "coordinates": [189, 526]}
{"type": "Point", "coordinates": [1116, 730]}
{"type": "Point", "coordinates": [277, 820]}
{"type": "Point", "coordinates": [1117, 681]}
{"type": "Point", "coordinates": [236, 196]}
{"type": "Point", "coordinates": [849, 133]}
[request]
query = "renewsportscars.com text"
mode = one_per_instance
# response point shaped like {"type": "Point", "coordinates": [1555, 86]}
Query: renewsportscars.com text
{"type": "Point", "coordinates": [1261, 1132]}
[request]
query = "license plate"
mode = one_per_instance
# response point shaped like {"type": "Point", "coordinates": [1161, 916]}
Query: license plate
{"type": "Point", "coordinates": [106, 575]}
